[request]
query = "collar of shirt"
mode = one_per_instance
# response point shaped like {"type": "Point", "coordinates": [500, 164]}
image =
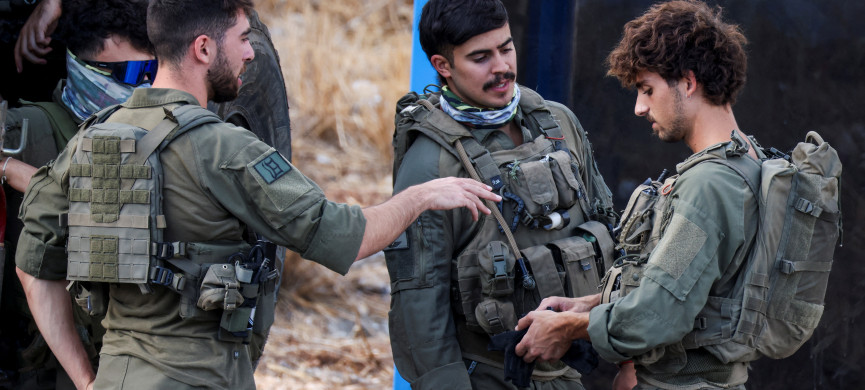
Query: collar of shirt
{"type": "Point", "coordinates": [495, 140]}
{"type": "Point", "coordinates": [152, 97]}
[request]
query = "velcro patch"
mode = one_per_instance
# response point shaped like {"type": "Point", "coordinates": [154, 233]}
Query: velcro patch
{"type": "Point", "coordinates": [401, 242]}
{"type": "Point", "coordinates": [272, 167]}
{"type": "Point", "coordinates": [682, 241]}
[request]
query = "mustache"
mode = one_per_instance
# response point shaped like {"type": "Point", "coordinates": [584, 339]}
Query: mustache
{"type": "Point", "coordinates": [498, 80]}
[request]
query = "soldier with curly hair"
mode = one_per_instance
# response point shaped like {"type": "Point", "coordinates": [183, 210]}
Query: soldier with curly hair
{"type": "Point", "coordinates": [687, 66]}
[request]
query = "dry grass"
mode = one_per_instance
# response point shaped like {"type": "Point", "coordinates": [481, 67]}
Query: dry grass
{"type": "Point", "coordinates": [345, 63]}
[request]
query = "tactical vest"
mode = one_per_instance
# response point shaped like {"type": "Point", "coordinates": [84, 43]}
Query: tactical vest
{"type": "Point", "coordinates": [116, 224]}
{"type": "Point", "coordinates": [781, 286]}
{"type": "Point", "coordinates": [562, 251]}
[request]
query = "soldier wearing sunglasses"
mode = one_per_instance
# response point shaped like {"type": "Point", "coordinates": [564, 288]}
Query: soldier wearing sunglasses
{"type": "Point", "coordinates": [108, 56]}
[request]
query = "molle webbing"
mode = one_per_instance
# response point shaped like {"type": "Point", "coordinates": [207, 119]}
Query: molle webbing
{"type": "Point", "coordinates": [115, 184]}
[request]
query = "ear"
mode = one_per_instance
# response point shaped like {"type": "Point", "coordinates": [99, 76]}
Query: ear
{"type": "Point", "coordinates": [441, 65]}
{"type": "Point", "coordinates": [690, 83]}
{"type": "Point", "coordinates": [203, 49]}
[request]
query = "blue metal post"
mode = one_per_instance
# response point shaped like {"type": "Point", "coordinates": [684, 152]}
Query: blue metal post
{"type": "Point", "coordinates": [422, 74]}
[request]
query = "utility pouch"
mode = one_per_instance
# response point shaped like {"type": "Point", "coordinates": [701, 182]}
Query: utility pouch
{"type": "Point", "coordinates": [496, 316]}
{"type": "Point", "coordinates": [485, 276]}
{"type": "Point", "coordinates": [220, 289]}
{"type": "Point", "coordinates": [566, 182]}
{"type": "Point", "coordinates": [237, 320]}
{"type": "Point", "coordinates": [241, 318]}
{"type": "Point", "coordinates": [578, 257]}
{"type": "Point", "coordinates": [534, 184]}
{"type": "Point", "coordinates": [497, 270]}
{"type": "Point", "coordinates": [92, 297]}
{"type": "Point", "coordinates": [550, 282]}
{"type": "Point", "coordinates": [468, 288]}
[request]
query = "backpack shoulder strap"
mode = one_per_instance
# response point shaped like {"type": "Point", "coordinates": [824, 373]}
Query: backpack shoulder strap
{"type": "Point", "coordinates": [540, 117]}
{"type": "Point", "coordinates": [418, 114]}
{"type": "Point", "coordinates": [178, 119]}
{"type": "Point", "coordinates": [63, 126]}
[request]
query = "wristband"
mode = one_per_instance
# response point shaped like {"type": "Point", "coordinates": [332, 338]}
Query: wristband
{"type": "Point", "coordinates": [3, 178]}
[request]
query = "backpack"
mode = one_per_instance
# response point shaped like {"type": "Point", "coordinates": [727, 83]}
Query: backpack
{"type": "Point", "coordinates": [62, 124]}
{"type": "Point", "coordinates": [115, 217]}
{"type": "Point", "coordinates": [788, 268]}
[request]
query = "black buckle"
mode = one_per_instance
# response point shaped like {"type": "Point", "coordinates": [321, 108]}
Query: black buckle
{"type": "Point", "coordinates": [164, 250]}
{"type": "Point", "coordinates": [162, 275]}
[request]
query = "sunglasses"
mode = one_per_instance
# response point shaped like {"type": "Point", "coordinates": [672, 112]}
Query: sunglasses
{"type": "Point", "coordinates": [126, 72]}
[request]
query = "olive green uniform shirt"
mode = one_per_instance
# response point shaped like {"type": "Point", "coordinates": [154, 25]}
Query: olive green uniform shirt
{"type": "Point", "coordinates": [423, 325]}
{"type": "Point", "coordinates": [211, 190]}
{"type": "Point", "coordinates": [710, 227]}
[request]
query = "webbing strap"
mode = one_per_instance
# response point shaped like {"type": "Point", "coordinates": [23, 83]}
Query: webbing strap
{"type": "Point", "coordinates": [160, 222]}
{"type": "Point", "coordinates": [758, 279]}
{"type": "Point", "coordinates": [123, 221]}
{"type": "Point", "coordinates": [748, 327]}
{"type": "Point", "coordinates": [109, 196]}
{"type": "Point", "coordinates": [788, 267]}
{"type": "Point", "coordinates": [149, 142]}
{"type": "Point", "coordinates": [492, 206]}
{"type": "Point", "coordinates": [126, 145]}
{"type": "Point", "coordinates": [548, 126]}
{"type": "Point", "coordinates": [755, 304]}
{"type": "Point", "coordinates": [112, 171]}
{"type": "Point", "coordinates": [805, 206]}
{"type": "Point", "coordinates": [478, 154]}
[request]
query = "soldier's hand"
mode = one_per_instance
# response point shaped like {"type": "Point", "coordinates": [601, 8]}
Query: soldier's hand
{"type": "Point", "coordinates": [626, 378]}
{"type": "Point", "coordinates": [451, 192]}
{"type": "Point", "coordinates": [36, 33]}
{"type": "Point", "coordinates": [550, 334]}
{"type": "Point", "coordinates": [576, 305]}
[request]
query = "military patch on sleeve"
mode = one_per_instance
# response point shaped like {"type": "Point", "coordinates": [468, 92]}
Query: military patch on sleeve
{"type": "Point", "coordinates": [272, 167]}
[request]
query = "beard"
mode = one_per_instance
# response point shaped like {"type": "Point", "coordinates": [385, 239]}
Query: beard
{"type": "Point", "coordinates": [677, 129]}
{"type": "Point", "coordinates": [222, 83]}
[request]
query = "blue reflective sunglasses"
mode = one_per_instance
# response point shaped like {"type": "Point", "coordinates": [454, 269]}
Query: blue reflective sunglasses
{"type": "Point", "coordinates": [126, 72]}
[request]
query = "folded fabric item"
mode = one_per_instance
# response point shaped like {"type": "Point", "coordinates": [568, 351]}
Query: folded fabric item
{"type": "Point", "coordinates": [580, 356]}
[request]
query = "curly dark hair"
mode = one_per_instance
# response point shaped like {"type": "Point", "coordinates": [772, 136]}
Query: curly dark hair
{"type": "Point", "coordinates": [85, 24]}
{"type": "Point", "coordinates": [675, 37]}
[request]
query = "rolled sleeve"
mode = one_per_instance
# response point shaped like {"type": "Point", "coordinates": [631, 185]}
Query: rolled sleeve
{"type": "Point", "coordinates": [41, 250]}
{"type": "Point", "coordinates": [599, 320]}
{"type": "Point", "coordinates": [40, 260]}
{"type": "Point", "coordinates": [337, 240]}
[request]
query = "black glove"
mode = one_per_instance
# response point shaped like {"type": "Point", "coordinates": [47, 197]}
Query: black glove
{"type": "Point", "coordinates": [581, 356]}
{"type": "Point", "coordinates": [517, 370]}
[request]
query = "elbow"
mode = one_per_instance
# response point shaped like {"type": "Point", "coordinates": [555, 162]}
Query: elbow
{"type": "Point", "coordinates": [26, 279]}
